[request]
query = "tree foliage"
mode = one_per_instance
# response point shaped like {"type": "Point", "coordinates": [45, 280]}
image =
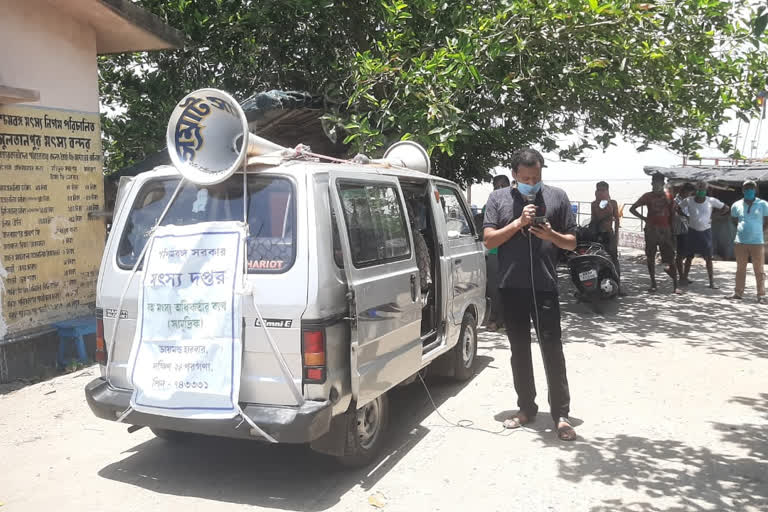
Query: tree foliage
{"type": "Point", "coordinates": [240, 46]}
{"type": "Point", "coordinates": [472, 81]}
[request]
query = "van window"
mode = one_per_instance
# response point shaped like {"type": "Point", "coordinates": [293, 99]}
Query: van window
{"type": "Point", "coordinates": [456, 216]}
{"type": "Point", "coordinates": [375, 222]}
{"type": "Point", "coordinates": [271, 217]}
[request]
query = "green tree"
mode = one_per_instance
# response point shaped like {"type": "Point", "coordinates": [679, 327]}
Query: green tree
{"type": "Point", "coordinates": [240, 46]}
{"type": "Point", "coordinates": [472, 81]}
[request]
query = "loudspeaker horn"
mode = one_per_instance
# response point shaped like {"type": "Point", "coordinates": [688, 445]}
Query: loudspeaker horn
{"type": "Point", "coordinates": [258, 146]}
{"type": "Point", "coordinates": [205, 136]}
{"type": "Point", "coordinates": [409, 154]}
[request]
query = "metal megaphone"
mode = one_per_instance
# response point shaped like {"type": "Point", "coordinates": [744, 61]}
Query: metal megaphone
{"type": "Point", "coordinates": [409, 154]}
{"type": "Point", "coordinates": [205, 137]}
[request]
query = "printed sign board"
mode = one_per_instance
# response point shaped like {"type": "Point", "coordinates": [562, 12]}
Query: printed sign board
{"type": "Point", "coordinates": [50, 180]}
{"type": "Point", "coordinates": [186, 358]}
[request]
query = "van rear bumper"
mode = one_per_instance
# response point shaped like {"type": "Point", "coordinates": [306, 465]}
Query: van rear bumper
{"type": "Point", "coordinates": [286, 424]}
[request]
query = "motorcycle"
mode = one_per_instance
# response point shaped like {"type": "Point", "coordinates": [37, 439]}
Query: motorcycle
{"type": "Point", "coordinates": [593, 273]}
{"type": "Point", "coordinates": [592, 269]}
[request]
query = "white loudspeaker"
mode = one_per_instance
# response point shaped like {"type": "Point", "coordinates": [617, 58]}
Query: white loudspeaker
{"type": "Point", "coordinates": [205, 136]}
{"type": "Point", "coordinates": [258, 146]}
{"type": "Point", "coordinates": [407, 153]}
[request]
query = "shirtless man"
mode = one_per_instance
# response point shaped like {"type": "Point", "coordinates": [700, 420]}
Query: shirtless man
{"type": "Point", "coordinates": [605, 214]}
{"type": "Point", "coordinates": [658, 230]}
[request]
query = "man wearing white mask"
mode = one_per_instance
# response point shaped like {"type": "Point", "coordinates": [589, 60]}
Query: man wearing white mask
{"type": "Point", "coordinates": [530, 223]}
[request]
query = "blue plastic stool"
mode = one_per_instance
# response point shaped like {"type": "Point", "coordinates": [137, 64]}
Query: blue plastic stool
{"type": "Point", "coordinates": [74, 331]}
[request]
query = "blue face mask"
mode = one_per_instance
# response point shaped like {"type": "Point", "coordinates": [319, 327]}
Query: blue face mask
{"type": "Point", "coordinates": [750, 194]}
{"type": "Point", "coordinates": [529, 190]}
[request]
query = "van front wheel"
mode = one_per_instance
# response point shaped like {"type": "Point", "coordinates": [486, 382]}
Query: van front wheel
{"type": "Point", "coordinates": [366, 431]}
{"type": "Point", "coordinates": [465, 351]}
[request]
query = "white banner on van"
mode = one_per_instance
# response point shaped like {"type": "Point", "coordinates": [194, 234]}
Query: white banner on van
{"type": "Point", "coordinates": [186, 358]}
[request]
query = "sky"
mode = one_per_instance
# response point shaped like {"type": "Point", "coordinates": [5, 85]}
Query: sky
{"type": "Point", "coordinates": [622, 162]}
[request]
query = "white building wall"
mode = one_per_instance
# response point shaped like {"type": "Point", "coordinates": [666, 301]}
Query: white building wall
{"type": "Point", "coordinates": [45, 50]}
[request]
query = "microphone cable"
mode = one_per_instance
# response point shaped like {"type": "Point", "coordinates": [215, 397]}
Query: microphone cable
{"type": "Point", "coordinates": [469, 424]}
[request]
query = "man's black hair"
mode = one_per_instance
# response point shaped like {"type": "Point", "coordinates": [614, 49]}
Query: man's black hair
{"type": "Point", "coordinates": [501, 179]}
{"type": "Point", "coordinates": [527, 157]}
{"type": "Point", "coordinates": [658, 177]}
{"type": "Point", "coordinates": [602, 184]}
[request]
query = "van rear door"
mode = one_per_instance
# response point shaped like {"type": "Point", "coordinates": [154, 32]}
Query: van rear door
{"type": "Point", "coordinates": [274, 263]}
{"type": "Point", "coordinates": [382, 279]}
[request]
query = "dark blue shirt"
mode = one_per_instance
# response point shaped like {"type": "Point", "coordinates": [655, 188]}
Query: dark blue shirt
{"type": "Point", "coordinates": [504, 206]}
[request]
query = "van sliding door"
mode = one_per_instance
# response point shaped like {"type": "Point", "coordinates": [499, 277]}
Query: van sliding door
{"type": "Point", "coordinates": [382, 279]}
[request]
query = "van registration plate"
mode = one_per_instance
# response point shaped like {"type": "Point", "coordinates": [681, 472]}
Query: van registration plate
{"type": "Point", "coordinates": [588, 275]}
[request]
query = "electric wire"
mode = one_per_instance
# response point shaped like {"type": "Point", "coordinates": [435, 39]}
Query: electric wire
{"type": "Point", "coordinates": [465, 424]}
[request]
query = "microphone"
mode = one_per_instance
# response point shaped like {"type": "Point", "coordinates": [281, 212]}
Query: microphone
{"type": "Point", "coordinates": [529, 199]}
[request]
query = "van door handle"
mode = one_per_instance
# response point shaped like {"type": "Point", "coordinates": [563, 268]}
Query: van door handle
{"type": "Point", "coordinates": [457, 262]}
{"type": "Point", "coordinates": [413, 287]}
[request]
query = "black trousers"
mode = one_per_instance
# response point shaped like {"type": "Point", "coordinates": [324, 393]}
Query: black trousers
{"type": "Point", "coordinates": [518, 311]}
{"type": "Point", "coordinates": [608, 239]}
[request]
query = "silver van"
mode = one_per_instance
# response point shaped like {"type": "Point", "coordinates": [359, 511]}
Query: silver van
{"type": "Point", "coordinates": [364, 276]}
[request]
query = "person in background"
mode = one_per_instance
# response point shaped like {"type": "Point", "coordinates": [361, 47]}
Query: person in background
{"type": "Point", "coordinates": [605, 215]}
{"type": "Point", "coordinates": [680, 227]}
{"type": "Point", "coordinates": [528, 252]}
{"type": "Point", "coordinates": [658, 230]}
{"type": "Point", "coordinates": [751, 214]}
{"type": "Point", "coordinates": [492, 267]}
{"type": "Point", "coordinates": [423, 259]}
{"type": "Point", "coordinates": [699, 209]}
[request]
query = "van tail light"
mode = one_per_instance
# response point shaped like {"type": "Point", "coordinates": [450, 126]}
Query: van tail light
{"type": "Point", "coordinates": [101, 346]}
{"type": "Point", "coordinates": [313, 355]}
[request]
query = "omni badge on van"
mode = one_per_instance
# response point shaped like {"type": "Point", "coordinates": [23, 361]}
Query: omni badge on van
{"type": "Point", "coordinates": [274, 323]}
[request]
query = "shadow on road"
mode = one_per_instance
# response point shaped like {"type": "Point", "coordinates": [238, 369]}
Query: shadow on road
{"type": "Point", "coordinates": [701, 317]}
{"type": "Point", "coordinates": [695, 478]}
{"type": "Point", "coordinates": [287, 477]}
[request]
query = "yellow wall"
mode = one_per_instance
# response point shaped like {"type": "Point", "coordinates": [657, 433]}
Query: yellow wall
{"type": "Point", "coordinates": [50, 180]}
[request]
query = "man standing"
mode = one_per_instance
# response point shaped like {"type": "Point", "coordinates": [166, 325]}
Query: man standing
{"type": "Point", "coordinates": [492, 268]}
{"type": "Point", "coordinates": [699, 240]}
{"type": "Point", "coordinates": [529, 223]}
{"type": "Point", "coordinates": [658, 229]}
{"type": "Point", "coordinates": [751, 213]}
{"type": "Point", "coordinates": [680, 227]}
{"type": "Point", "coordinates": [605, 215]}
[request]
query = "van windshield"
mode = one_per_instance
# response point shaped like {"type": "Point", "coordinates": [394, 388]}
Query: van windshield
{"type": "Point", "coordinates": [271, 217]}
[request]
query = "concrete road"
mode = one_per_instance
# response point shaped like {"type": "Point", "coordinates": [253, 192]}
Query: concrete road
{"type": "Point", "coordinates": [669, 394]}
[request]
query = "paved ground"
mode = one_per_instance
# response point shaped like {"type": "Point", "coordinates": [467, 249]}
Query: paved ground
{"type": "Point", "coordinates": [669, 393]}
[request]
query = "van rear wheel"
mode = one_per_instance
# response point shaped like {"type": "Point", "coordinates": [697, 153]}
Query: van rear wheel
{"type": "Point", "coordinates": [366, 433]}
{"type": "Point", "coordinates": [465, 351]}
